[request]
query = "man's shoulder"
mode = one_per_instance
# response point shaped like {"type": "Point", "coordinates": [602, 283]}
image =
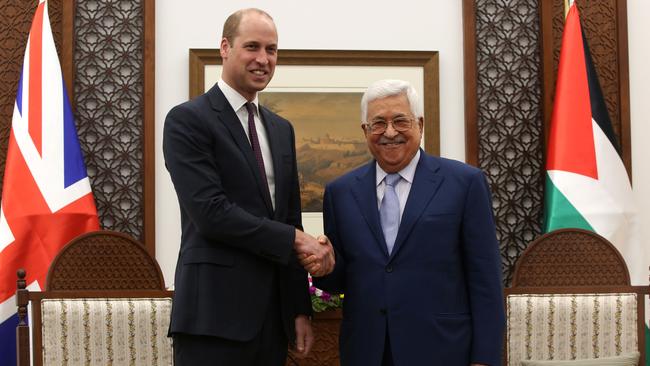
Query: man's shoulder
{"type": "Point", "coordinates": [449, 166]}
{"type": "Point", "coordinates": [274, 116]}
{"type": "Point", "coordinates": [353, 176]}
{"type": "Point", "coordinates": [194, 105]}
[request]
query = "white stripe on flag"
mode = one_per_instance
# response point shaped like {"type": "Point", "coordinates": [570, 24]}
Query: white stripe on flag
{"type": "Point", "coordinates": [6, 236]}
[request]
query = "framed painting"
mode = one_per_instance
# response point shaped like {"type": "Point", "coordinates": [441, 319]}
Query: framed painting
{"type": "Point", "coordinates": [320, 91]}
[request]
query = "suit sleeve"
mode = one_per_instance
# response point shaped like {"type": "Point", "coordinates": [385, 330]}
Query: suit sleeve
{"type": "Point", "coordinates": [335, 281]}
{"type": "Point", "coordinates": [187, 143]}
{"type": "Point", "coordinates": [482, 263]}
{"type": "Point", "coordinates": [298, 275]}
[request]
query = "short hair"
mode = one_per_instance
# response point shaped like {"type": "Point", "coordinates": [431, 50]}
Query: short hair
{"type": "Point", "coordinates": [231, 25]}
{"type": "Point", "coordinates": [388, 88]}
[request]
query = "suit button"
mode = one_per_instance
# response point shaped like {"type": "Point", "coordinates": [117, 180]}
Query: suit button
{"type": "Point", "coordinates": [382, 311]}
{"type": "Point", "coordinates": [389, 269]}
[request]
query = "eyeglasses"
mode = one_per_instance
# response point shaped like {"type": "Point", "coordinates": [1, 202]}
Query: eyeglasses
{"type": "Point", "coordinates": [400, 124]}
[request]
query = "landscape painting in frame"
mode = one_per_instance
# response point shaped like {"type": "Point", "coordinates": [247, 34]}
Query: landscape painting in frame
{"type": "Point", "coordinates": [329, 138]}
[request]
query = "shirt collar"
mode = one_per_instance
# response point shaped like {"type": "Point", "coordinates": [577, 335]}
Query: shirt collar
{"type": "Point", "coordinates": [407, 173]}
{"type": "Point", "coordinates": [234, 98]}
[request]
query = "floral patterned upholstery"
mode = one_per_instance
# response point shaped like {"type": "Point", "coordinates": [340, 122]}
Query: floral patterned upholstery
{"type": "Point", "coordinates": [116, 332]}
{"type": "Point", "coordinates": [570, 326]}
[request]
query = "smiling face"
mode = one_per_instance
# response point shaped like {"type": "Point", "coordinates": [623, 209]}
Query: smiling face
{"type": "Point", "coordinates": [249, 60]}
{"type": "Point", "coordinates": [393, 150]}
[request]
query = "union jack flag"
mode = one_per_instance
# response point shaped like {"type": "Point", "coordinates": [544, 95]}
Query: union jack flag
{"type": "Point", "coordinates": [46, 195]}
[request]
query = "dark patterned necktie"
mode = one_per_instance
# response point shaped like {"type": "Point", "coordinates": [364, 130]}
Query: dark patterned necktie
{"type": "Point", "coordinates": [255, 144]}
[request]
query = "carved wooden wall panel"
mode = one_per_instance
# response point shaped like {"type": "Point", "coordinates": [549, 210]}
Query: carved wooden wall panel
{"type": "Point", "coordinates": [106, 49]}
{"type": "Point", "coordinates": [506, 133]}
{"type": "Point", "coordinates": [15, 21]}
{"type": "Point", "coordinates": [508, 98]}
{"type": "Point", "coordinates": [108, 89]}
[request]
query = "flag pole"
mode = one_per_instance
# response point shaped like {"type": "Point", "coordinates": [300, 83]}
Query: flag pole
{"type": "Point", "coordinates": [567, 5]}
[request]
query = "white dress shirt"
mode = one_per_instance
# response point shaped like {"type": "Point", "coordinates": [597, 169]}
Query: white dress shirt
{"type": "Point", "coordinates": [238, 103]}
{"type": "Point", "coordinates": [403, 187]}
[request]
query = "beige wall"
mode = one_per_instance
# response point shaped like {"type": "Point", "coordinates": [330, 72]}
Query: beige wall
{"type": "Point", "coordinates": [360, 25]}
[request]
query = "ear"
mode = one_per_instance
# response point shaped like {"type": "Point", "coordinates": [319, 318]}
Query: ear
{"type": "Point", "coordinates": [421, 123]}
{"type": "Point", "coordinates": [363, 128]}
{"type": "Point", "coordinates": [224, 48]}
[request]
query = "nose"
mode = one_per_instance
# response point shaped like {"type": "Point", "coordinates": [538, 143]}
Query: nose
{"type": "Point", "coordinates": [262, 58]}
{"type": "Point", "coordinates": [390, 131]}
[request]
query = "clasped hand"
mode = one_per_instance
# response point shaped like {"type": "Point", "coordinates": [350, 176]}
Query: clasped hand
{"type": "Point", "coordinates": [315, 255]}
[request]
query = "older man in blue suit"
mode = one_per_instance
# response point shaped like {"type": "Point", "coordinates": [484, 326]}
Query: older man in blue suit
{"type": "Point", "coordinates": [416, 249]}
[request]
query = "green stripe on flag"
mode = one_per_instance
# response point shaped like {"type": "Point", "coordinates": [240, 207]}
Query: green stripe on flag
{"type": "Point", "coordinates": [559, 213]}
{"type": "Point", "coordinates": [647, 344]}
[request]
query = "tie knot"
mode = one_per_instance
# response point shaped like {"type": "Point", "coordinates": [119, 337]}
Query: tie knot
{"type": "Point", "coordinates": [392, 179]}
{"type": "Point", "coordinates": [250, 107]}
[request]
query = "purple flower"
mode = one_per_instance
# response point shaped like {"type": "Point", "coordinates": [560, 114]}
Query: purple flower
{"type": "Point", "coordinates": [312, 290]}
{"type": "Point", "coordinates": [326, 296]}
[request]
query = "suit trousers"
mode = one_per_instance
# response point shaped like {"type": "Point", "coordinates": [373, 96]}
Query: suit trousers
{"type": "Point", "coordinates": [387, 359]}
{"type": "Point", "coordinates": [268, 348]}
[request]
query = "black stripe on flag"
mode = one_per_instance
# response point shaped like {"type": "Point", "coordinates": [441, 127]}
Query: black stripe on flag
{"type": "Point", "coordinates": [598, 108]}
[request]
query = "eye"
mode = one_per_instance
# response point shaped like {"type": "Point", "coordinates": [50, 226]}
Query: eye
{"type": "Point", "coordinates": [378, 126]}
{"type": "Point", "coordinates": [402, 122]}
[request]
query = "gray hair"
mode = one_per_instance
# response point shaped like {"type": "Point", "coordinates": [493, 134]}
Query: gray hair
{"type": "Point", "coordinates": [388, 88]}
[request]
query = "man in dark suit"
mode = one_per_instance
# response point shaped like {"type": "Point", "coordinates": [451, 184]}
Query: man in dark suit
{"type": "Point", "coordinates": [416, 249]}
{"type": "Point", "coordinates": [240, 292]}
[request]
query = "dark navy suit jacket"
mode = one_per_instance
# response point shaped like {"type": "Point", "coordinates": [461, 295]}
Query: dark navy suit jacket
{"type": "Point", "coordinates": [235, 248]}
{"type": "Point", "coordinates": [439, 294]}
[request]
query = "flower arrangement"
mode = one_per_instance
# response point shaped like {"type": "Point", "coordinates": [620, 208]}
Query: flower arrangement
{"type": "Point", "coordinates": [322, 300]}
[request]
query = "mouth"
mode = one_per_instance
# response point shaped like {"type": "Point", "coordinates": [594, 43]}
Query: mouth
{"type": "Point", "coordinates": [258, 72]}
{"type": "Point", "coordinates": [391, 144]}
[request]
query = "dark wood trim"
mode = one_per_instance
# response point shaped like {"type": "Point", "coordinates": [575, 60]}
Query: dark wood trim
{"type": "Point", "coordinates": [428, 60]}
{"type": "Point", "coordinates": [67, 45]}
{"type": "Point", "coordinates": [149, 126]}
{"type": "Point", "coordinates": [37, 296]}
{"type": "Point", "coordinates": [624, 86]}
{"type": "Point", "coordinates": [37, 336]}
{"type": "Point", "coordinates": [548, 77]}
{"type": "Point", "coordinates": [470, 81]}
{"type": "Point", "coordinates": [518, 290]}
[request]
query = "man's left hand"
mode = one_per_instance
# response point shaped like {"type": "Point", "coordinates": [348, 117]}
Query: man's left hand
{"type": "Point", "coordinates": [304, 336]}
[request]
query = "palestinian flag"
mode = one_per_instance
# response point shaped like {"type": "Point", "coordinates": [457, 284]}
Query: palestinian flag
{"type": "Point", "coordinates": [587, 185]}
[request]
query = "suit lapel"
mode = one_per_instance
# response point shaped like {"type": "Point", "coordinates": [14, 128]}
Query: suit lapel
{"type": "Point", "coordinates": [365, 194]}
{"type": "Point", "coordinates": [425, 185]}
{"type": "Point", "coordinates": [229, 118]}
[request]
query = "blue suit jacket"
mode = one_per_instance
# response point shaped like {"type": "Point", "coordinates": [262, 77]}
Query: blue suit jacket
{"type": "Point", "coordinates": [439, 293]}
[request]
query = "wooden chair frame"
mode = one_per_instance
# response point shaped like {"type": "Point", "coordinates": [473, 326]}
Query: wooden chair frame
{"type": "Point", "coordinates": [140, 277]}
{"type": "Point", "coordinates": [527, 281]}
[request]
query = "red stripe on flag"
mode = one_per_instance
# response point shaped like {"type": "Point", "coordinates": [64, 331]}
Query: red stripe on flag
{"type": "Point", "coordinates": [571, 141]}
{"type": "Point", "coordinates": [35, 78]}
{"type": "Point", "coordinates": [39, 233]}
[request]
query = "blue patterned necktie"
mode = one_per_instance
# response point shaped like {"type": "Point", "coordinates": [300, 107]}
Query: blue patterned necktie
{"type": "Point", "coordinates": [389, 211]}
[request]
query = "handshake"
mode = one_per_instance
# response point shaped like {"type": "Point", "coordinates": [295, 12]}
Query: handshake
{"type": "Point", "coordinates": [315, 255]}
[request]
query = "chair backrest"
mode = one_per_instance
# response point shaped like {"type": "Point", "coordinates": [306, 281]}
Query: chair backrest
{"type": "Point", "coordinates": [104, 303]}
{"type": "Point", "coordinates": [571, 299]}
